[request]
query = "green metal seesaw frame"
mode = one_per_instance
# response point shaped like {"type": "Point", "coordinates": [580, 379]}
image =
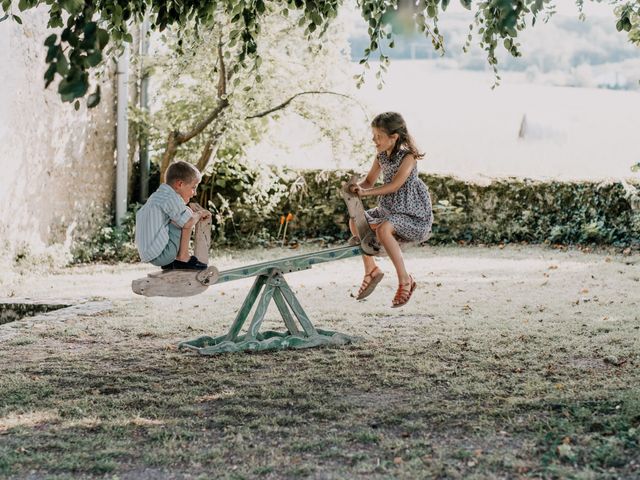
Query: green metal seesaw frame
{"type": "Point", "coordinates": [268, 285]}
{"type": "Point", "coordinates": [271, 285]}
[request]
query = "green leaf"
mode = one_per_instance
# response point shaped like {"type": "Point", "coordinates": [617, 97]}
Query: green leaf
{"type": "Point", "coordinates": [103, 38]}
{"type": "Point", "coordinates": [52, 53]}
{"type": "Point", "coordinates": [62, 65]}
{"type": "Point", "coordinates": [73, 86]}
{"type": "Point", "coordinates": [49, 75]}
{"type": "Point", "coordinates": [50, 40]}
{"type": "Point", "coordinates": [315, 18]}
{"type": "Point", "coordinates": [94, 98]}
{"type": "Point", "coordinates": [17, 19]}
{"type": "Point", "coordinates": [94, 59]}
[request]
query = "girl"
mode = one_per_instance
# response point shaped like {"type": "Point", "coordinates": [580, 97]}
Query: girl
{"type": "Point", "coordinates": [404, 207]}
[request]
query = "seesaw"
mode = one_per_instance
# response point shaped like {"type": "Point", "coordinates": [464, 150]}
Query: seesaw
{"type": "Point", "coordinates": [269, 285]}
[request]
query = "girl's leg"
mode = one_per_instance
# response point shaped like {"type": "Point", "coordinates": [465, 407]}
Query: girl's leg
{"type": "Point", "coordinates": [385, 233]}
{"type": "Point", "coordinates": [372, 274]}
{"type": "Point", "coordinates": [406, 285]}
{"type": "Point", "coordinates": [369, 262]}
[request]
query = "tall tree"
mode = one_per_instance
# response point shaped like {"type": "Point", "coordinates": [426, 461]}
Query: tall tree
{"type": "Point", "coordinates": [89, 26]}
{"type": "Point", "coordinates": [202, 107]}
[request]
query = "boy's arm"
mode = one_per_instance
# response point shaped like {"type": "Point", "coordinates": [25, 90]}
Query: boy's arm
{"type": "Point", "coordinates": [177, 211]}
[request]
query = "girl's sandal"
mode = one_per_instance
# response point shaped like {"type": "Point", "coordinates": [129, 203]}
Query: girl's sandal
{"type": "Point", "coordinates": [404, 292]}
{"type": "Point", "coordinates": [368, 286]}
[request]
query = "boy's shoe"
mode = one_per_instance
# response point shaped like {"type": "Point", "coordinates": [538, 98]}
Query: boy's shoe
{"type": "Point", "coordinates": [192, 264]}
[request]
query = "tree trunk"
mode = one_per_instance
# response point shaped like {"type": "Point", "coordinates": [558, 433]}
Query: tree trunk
{"type": "Point", "coordinates": [169, 153]}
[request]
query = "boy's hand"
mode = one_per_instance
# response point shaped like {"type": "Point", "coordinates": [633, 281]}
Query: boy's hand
{"type": "Point", "coordinates": [202, 215]}
{"type": "Point", "coordinates": [189, 224]}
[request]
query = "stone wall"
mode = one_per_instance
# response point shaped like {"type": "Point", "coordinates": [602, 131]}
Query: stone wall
{"type": "Point", "coordinates": [56, 163]}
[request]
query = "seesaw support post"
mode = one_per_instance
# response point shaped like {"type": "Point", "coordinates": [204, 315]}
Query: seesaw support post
{"type": "Point", "coordinates": [270, 284]}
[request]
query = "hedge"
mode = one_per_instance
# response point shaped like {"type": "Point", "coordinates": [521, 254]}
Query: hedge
{"type": "Point", "coordinates": [247, 207]}
{"type": "Point", "coordinates": [504, 211]}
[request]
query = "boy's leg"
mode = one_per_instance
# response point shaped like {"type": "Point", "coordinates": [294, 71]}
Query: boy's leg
{"type": "Point", "coordinates": [170, 251]}
{"type": "Point", "coordinates": [183, 249]}
{"type": "Point", "coordinates": [202, 236]}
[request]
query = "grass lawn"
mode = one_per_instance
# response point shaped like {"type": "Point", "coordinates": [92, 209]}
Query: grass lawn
{"type": "Point", "coordinates": [519, 362]}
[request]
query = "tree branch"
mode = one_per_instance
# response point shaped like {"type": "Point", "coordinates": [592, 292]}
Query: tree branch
{"type": "Point", "coordinates": [222, 75]}
{"type": "Point", "coordinates": [169, 153]}
{"type": "Point", "coordinates": [288, 101]}
{"type": "Point", "coordinates": [205, 156]}
{"type": "Point", "coordinates": [185, 137]}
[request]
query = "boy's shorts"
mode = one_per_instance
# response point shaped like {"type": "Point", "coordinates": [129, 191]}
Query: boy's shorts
{"type": "Point", "coordinates": [170, 252]}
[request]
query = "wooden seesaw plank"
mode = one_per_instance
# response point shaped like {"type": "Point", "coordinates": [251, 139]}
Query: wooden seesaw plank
{"type": "Point", "coordinates": [175, 283]}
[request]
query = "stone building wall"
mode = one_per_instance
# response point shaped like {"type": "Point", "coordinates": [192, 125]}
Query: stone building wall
{"type": "Point", "coordinates": [57, 171]}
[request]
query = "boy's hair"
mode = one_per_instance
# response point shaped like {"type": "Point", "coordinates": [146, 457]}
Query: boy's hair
{"type": "Point", "coordinates": [392, 122]}
{"type": "Point", "coordinates": [181, 171]}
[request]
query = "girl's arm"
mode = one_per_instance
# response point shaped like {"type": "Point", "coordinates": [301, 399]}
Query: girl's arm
{"type": "Point", "coordinates": [372, 176]}
{"type": "Point", "coordinates": [408, 162]}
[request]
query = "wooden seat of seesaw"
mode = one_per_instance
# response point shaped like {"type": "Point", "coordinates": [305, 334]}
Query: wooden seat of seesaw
{"type": "Point", "coordinates": [182, 283]}
{"type": "Point", "coordinates": [175, 283]}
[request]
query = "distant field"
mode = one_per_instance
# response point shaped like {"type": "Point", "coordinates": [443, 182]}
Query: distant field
{"type": "Point", "coordinates": [471, 131]}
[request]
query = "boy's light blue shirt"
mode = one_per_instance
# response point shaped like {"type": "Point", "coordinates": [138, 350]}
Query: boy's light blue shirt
{"type": "Point", "coordinates": [152, 221]}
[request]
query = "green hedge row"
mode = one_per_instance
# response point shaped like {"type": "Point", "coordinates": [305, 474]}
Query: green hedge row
{"type": "Point", "coordinates": [506, 211]}
{"type": "Point", "coordinates": [247, 206]}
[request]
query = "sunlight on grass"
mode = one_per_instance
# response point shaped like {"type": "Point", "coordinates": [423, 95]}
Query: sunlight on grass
{"type": "Point", "coordinates": [28, 419]}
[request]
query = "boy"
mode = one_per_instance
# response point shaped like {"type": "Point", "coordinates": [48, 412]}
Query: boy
{"type": "Point", "coordinates": [164, 223]}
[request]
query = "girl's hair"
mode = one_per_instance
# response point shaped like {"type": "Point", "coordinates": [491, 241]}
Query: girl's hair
{"type": "Point", "coordinates": [392, 122]}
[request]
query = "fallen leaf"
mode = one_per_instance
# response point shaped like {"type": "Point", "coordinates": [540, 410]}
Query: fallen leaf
{"type": "Point", "coordinates": [565, 451]}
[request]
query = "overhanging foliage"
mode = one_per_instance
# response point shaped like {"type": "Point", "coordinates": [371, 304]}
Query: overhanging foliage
{"type": "Point", "coordinates": [89, 26]}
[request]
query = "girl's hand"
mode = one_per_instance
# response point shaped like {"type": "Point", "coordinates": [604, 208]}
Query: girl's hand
{"type": "Point", "coordinates": [364, 192]}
